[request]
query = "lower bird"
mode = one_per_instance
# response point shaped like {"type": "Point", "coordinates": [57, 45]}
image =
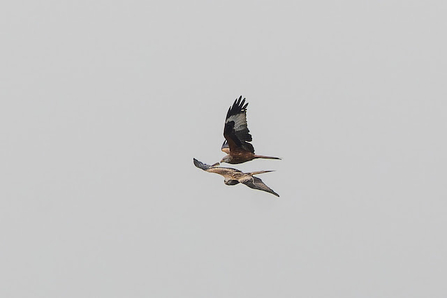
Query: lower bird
{"type": "Point", "coordinates": [234, 176]}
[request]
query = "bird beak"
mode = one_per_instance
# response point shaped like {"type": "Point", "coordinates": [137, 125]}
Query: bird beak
{"type": "Point", "coordinates": [216, 164]}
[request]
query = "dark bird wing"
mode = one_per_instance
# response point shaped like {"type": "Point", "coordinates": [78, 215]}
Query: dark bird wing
{"type": "Point", "coordinates": [256, 183]}
{"type": "Point", "coordinates": [236, 130]}
{"type": "Point", "coordinates": [201, 165]}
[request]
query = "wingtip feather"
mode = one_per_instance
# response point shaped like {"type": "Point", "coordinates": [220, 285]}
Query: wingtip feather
{"type": "Point", "coordinates": [200, 164]}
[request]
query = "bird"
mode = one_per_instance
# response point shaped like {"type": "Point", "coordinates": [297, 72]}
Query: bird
{"type": "Point", "coordinates": [234, 176]}
{"type": "Point", "coordinates": [237, 136]}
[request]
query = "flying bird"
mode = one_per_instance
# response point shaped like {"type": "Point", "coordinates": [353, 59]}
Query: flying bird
{"type": "Point", "coordinates": [233, 176]}
{"type": "Point", "coordinates": [237, 136]}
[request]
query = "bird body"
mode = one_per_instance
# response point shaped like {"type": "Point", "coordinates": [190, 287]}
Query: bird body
{"type": "Point", "coordinates": [234, 176]}
{"type": "Point", "coordinates": [241, 157]}
{"type": "Point", "coordinates": [237, 144]}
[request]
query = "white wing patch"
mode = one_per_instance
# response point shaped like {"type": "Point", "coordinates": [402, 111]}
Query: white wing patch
{"type": "Point", "coordinates": [240, 121]}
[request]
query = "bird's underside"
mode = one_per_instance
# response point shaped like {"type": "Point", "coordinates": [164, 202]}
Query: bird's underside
{"type": "Point", "coordinates": [237, 144]}
{"type": "Point", "coordinates": [234, 176]}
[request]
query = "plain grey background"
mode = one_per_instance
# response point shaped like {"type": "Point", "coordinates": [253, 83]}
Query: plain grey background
{"type": "Point", "coordinates": [105, 103]}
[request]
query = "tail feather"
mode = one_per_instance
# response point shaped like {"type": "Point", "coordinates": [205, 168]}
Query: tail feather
{"type": "Point", "coordinates": [266, 157]}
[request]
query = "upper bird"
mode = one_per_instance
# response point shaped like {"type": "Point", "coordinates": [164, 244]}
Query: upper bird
{"type": "Point", "coordinates": [234, 176]}
{"type": "Point", "coordinates": [237, 136]}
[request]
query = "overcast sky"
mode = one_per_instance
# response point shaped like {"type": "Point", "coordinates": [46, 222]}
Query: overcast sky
{"type": "Point", "coordinates": [105, 103]}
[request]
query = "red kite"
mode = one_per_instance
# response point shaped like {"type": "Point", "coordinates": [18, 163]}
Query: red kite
{"type": "Point", "coordinates": [233, 176]}
{"type": "Point", "coordinates": [237, 136]}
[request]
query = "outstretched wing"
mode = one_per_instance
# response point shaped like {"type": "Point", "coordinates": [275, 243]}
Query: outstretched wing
{"type": "Point", "coordinates": [226, 172]}
{"type": "Point", "coordinates": [236, 130]}
{"type": "Point", "coordinates": [201, 165]}
{"type": "Point", "coordinates": [256, 183]}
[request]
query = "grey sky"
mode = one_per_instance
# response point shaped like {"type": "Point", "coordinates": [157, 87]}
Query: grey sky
{"type": "Point", "coordinates": [105, 103]}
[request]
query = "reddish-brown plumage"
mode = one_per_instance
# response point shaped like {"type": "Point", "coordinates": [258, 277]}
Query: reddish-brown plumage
{"type": "Point", "coordinates": [234, 176]}
{"type": "Point", "coordinates": [237, 135]}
